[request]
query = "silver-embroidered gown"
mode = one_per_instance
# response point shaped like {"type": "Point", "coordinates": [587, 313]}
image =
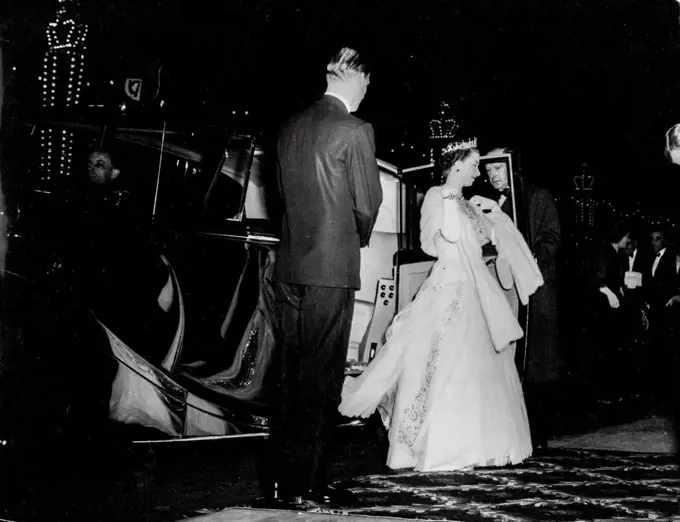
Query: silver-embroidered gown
{"type": "Point", "coordinates": [449, 398]}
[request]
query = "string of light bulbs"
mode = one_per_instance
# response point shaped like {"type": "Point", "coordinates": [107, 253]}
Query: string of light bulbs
{"type": "Point", "coordinates": [62, 85]}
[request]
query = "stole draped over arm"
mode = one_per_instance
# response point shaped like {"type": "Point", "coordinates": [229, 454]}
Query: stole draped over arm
{"type": "Point", "coordinates": [512, 246]}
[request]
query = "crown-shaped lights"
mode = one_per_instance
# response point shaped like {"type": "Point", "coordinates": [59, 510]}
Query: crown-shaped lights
{"type": "Point", "coordinates": [584, 181]}
{"type": "Point", "coordinates": [443, 129]}
{"type": "Point", "coordinates": [460, 145]}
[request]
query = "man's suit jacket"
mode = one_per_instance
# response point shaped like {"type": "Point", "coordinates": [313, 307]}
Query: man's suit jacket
{"type": "Point", "coordinates": [330, 187]}
{"type": "Point", "coordinates": [663, 283]}
{"type": "Point", "coordinates": [641, 263]}
{"type": "Point", "coordinates": [539, 222]}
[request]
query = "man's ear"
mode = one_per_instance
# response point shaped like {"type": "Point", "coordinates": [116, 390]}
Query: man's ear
{"type": "Point", "coordinates": [114, 173]}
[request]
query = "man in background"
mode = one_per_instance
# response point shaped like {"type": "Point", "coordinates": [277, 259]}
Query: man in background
{"type": "Point", "coordinates": [661, 273]}
{"type": "Point", "coordinates": [538, 220]}
{"type": "Point", "coordinates": [663, 284]}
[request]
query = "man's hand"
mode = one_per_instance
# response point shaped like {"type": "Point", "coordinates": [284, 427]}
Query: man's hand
{"type": "Point", "coordinates": [675, 300]}
{"type": "Point", "coordinates": [485, 204]}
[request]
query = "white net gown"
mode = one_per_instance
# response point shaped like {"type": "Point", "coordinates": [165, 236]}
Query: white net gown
{"type": "Point", "coordinates": [448, 397]}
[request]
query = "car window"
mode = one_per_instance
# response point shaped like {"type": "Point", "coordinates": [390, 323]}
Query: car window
{"type": "Point", "coordinates": [225, 198]}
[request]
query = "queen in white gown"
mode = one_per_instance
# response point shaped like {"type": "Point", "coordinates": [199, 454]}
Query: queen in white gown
{"type": "Point", "coordinates": [445, 381]}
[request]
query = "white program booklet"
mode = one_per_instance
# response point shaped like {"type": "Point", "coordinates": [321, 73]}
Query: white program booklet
{"type": "Point", "coordinates": [632, 279]}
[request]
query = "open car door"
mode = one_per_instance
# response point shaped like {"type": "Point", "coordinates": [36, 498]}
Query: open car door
{"type": "Point", "coordinates": [411, 266]}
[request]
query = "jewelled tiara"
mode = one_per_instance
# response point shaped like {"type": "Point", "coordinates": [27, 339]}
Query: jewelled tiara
{"type": "Point", "coordinates": [460, 145]}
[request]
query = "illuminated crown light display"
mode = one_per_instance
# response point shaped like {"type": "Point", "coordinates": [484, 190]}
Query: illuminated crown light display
{"type": "Point", "coordinates": [443, 128]}
{"type": "Point", "coordinates": [610, 208]}
{"type": "Point", "coordinates": [585, 205]}
{"type": "Point", "coordinates": [62, 82]}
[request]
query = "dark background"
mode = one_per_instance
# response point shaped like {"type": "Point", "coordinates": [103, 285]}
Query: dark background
{"type": "Point", "coordinates": [561, 82]}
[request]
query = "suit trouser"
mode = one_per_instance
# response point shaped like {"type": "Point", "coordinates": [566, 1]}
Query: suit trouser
{"type": "Point", "coordinates": [314, 325]}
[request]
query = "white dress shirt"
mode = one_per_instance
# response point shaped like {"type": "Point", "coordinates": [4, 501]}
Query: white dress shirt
{"type": "Point", "coordinates": [631, 260]}
{"type": "Point", "coordinates": [501, 200]}
{"type": "Point", "coordinates": [656, 260]}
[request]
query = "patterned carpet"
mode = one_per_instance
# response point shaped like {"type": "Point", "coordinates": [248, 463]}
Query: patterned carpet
{"type": "Point", "coordinates": [558, 485]}
{"type": "Point", "coordinates": [562, 485]}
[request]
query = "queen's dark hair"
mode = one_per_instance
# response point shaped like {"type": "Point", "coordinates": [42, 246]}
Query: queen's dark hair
{"type": "Point", "coordinates": [672, 139]}
{"type": "Point", "coordinates": [449, 159]}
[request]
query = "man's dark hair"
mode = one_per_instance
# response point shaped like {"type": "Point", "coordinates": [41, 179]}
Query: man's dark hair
{"type": "Point", "coordinates": [664, 228]}
{"type": "Point", "coordinates": [103, 150]}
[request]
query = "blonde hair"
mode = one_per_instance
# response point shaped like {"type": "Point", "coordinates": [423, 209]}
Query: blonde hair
{"type": "Point", "coordinates": [345, 62]}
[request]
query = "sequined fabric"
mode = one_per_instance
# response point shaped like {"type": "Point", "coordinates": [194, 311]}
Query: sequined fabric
{"type": "Point", "coordinates": [415, 414]}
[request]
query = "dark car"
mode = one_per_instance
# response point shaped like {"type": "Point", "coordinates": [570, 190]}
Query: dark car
{"type": "Point", "coordinates": [153, 292]}
{"type": "Point", "coordinates": [148, 303]}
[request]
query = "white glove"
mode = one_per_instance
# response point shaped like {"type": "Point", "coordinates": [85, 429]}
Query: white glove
{"type": "Point", "coordinates": [484, 203]}
{"type": "Point", "coordinates": [611, 296]}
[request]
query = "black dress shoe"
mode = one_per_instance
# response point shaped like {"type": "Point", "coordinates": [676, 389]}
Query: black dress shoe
{"type": "Point", "coordinates": [331, 495]}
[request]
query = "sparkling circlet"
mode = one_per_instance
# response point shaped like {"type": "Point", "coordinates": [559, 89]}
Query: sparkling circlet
{"type": "Point", "coordinates": [460, 145]}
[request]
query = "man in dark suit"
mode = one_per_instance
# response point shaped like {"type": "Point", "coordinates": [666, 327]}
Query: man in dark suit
{"type": "Point", "coordinates": [662, 277]}
{"type": "Point", "coordinates": [637, 259]}
{"type": "Point", "coordinates": [538, 220]}
{"type": "Point", "coordinates": [662, 273]}
{"type": "Point", "coordinates": [330, 186]}
{"type": "Point", "coordinates": [636, 268]}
